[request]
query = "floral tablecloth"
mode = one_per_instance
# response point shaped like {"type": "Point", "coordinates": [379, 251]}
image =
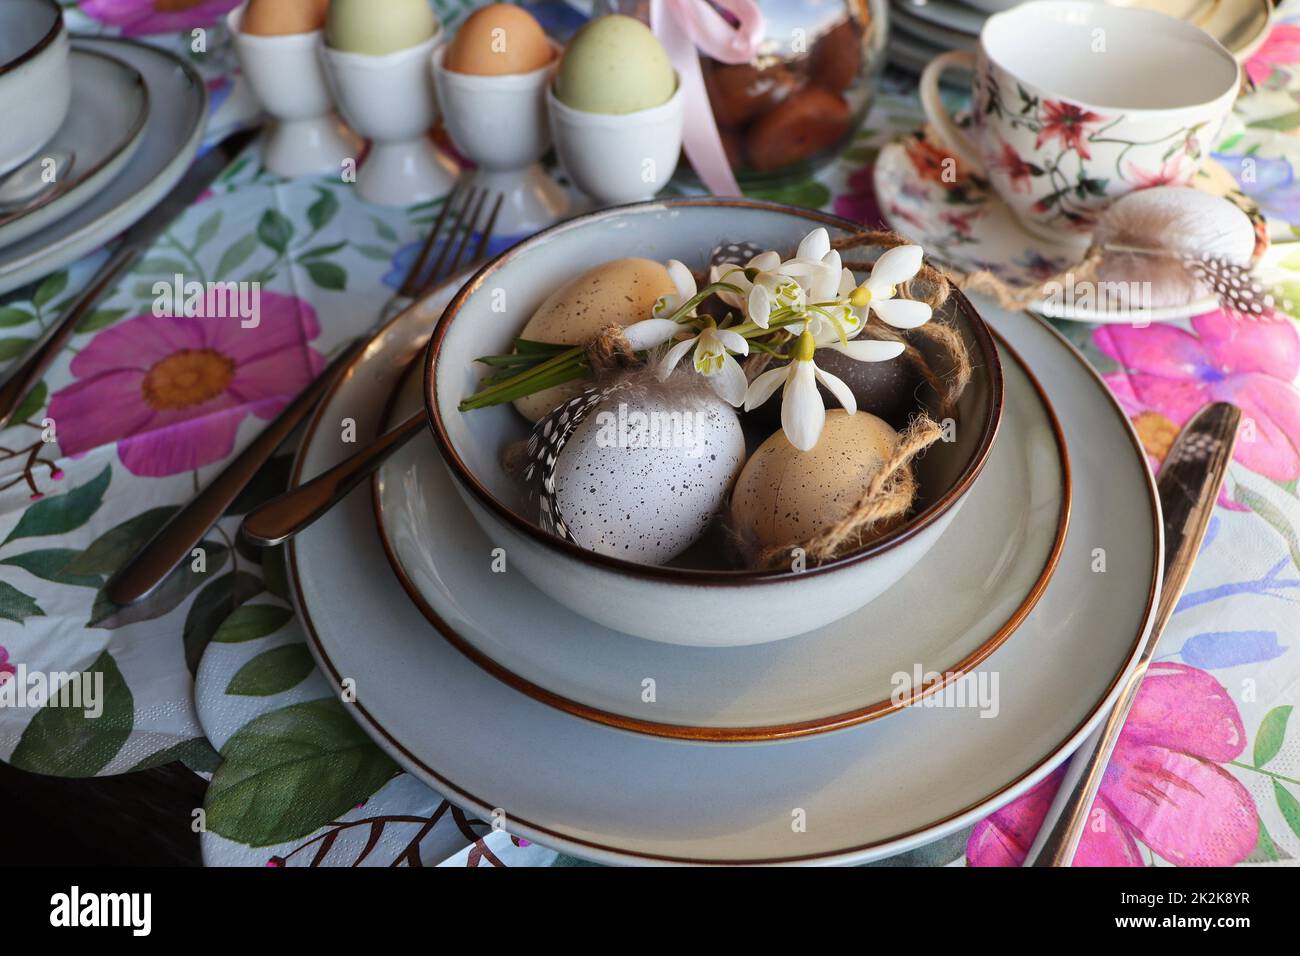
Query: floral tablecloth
{"type": "Point", "coordinates": [212, 670]}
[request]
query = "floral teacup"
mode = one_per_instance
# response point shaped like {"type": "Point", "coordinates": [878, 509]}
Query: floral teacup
{"type": "Point", "coordinates": [1077, 103]}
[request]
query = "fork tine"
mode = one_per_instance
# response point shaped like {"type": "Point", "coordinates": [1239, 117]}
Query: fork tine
{"type": "Point", "coordinates": [480, 252]}
{"type": "Point", "coordinates": [469, 231]}
{"type": "Point", "coordinates": [449, 239]}
{"type": "Point", "coordinates": [412, 284]}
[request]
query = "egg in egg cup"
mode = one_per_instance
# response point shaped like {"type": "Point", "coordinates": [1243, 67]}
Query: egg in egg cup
{"type": "Point", "coordinates": [306, 137]}
{"type": "Point", "coordinates": [389, 100]}
{"type": "Point", "coordinates": [618, 158]}
{"type": "Point", "coordinates": [499, 122]}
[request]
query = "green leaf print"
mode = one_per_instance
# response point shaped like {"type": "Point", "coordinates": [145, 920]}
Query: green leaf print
{"type": "Point", "coordinates": [175, 588]}
{"type": "Point", "coordinates": [50, 565]}
{"type": "Point", "coordinates": [236, 255]}
{"type": "Point", "coordinates": [63, 513]}
{"type": "Point", "coordinates": [291, 771]}
{"type": "Point", "coordinates": [215, 603]}
{"type": "Point", "coordinates": [66, 742]}
{"type": "Point", "coordinates": [11, 317]}
{"type": "Point", "coordinates": [50, 289]}
{"type": "Point", "coordinates": [323, 209]}
{"type": "Point", "coordinates": [1272, 731]}
{"type": "Point", "coordinates": [327, 275]}
{"type": "Point", "coordinates": [32, 404]}
{"type": "Point", "coordinates": [250, 622]}
{"type": "Point", "coordinates": [272, 672]}
{"type": "Point", "coordinates": [111, 549]}
{"type": "Point", "coordinates": [16, 606]}
{"type": "Point", "coordinates": [275, 231]}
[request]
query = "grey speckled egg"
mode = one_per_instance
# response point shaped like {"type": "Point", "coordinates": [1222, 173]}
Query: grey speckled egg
{"type": "Point", "coordinates": [642, 480]}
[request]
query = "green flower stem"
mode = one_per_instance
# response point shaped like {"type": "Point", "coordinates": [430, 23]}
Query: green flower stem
{"type": "Point", "coordinates": [508, 390]}
{"type": "Point", "coordinates": [1261, 770]}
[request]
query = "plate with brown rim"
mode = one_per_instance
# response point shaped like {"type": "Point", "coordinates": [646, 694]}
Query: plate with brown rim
{"type": "Point", "coordinates": [990, 566]}
{"type": "Point", "coordinates": [870, 791]}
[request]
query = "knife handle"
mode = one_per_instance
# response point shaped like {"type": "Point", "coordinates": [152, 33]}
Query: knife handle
{"type": "Point", "coordinates": [22, 378]}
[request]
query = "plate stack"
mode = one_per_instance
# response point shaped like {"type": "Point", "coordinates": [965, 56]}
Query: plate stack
{"type": "Point", "coordinates": [922, 29]}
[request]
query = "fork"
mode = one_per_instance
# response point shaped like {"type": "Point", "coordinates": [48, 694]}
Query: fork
{"type": "Point", "coordinates": [455, 226]}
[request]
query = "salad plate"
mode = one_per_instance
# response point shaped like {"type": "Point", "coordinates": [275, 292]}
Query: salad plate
{"type": "Point", "coordinates": [866, 792]}
{"type": "Point", "coordinates": [103, 130]}
{"type": "Point", "coordinates": [178, 103]}
{"type": "Point", "coordinates": [856, 669]}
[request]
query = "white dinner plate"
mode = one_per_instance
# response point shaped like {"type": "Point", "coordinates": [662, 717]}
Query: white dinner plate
{"type": "Point", "coordinates": [178, 106]}
{"type": "Point", "coordinates": [944, 13]}
{"type": "Point", "coordinates": [869, 791]}
{"type": "Point", "coordinates": [945, 38]}
{"type": "Point", "coordinates": [104, 128]}
{"type": "Point", "coordinates": [837, 676]}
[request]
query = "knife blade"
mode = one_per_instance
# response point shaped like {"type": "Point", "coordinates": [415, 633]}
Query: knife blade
{"type": "Point", "coordinates": [126, 250]}
{"type": "Point", "coordinates": [1188, 487]}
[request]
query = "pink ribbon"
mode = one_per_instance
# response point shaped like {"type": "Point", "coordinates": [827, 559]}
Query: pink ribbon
{"type": "Point", "coordinates": [690, 27]}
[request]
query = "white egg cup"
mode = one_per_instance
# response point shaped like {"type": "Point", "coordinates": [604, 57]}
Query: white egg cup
{"type": "Point", "coordinates": [389, 100]}
{"type": "Point", "coordinates": [306, 138]}
{"type": "Point", "coordinates": [500, 123]}
{"type": "Point", "coordinates": [618, 158]}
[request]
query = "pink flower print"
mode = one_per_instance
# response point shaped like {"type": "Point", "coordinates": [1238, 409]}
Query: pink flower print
{"type": "Point", "coordinates": [140, 17]}
{"type": "Point", "coordinates": [1019, 172]}
{"type": "Point", "coordinates": [7, 670]}
{"type": "Point", "coordinates": [1172, 172]}
{"type": "Point", "coordinates": [1164, 786]}
{"type": "Point", "coordinates": [1282, 48]}
{"type": "Point", "coordinates": [1250, 363]}
{"type": "Point", "coordinates": [172, 392]}
{"type": "Point", "coordinates": [1068, 123]}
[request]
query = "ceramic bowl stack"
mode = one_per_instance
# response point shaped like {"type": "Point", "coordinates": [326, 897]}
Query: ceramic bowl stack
{"type": "Point", "coordinates": [95, 131]}
{"type": "Point", "coordinates": [922, 29]}
{"type": "Point", "coordinates": [501, 665]}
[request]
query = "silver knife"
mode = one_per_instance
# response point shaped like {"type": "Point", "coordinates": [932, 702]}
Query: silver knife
{"type": "Point", "coordinates": [1189, 484]}
{"type": "Point", "coordinates": [23, 377]}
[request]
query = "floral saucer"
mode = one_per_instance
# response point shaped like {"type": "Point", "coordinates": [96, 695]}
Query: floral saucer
{"type": "Point", "coordinates": [964, 224]}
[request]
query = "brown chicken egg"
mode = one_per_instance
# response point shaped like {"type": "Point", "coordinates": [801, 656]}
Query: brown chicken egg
{"type": "Point", "coordinates": [281, 17]}
{"type": "Point", "coordinates": [784, 495]}
{"type": "Point", "coordinates": [499, 39]}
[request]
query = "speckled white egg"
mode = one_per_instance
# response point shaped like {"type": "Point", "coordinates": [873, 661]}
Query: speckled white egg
{"type": "Point", "coordinates": [642, 480]}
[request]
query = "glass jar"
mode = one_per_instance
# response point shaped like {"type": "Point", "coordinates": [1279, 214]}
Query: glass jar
{"type": "Point", "coordinates": [796, 104]}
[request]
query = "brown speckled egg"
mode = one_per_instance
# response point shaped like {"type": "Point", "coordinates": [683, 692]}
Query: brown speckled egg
{"type": "Point", "coordinates": [643, 481]}
{"type": "Point", "coordinates": [784, 495]}
{"type": "Point", "coordinates": [622, 291]}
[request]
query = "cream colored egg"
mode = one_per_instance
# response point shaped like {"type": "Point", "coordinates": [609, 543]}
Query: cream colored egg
{"type": "Point", "coordinates": [784, 495]}
{"type": "Point", "coordinates": [622, 291]}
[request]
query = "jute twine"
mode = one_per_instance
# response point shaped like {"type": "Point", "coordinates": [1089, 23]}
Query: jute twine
{"type": "Point", "coordinates": [1016, 297]}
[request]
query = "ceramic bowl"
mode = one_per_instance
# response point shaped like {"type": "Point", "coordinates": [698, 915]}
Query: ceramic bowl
{"type": "Point", "coordinates": [35, 79]}
{"type": "Point", "coordinates": [285, 72]}
{"type": "Point", "coordinates": [671, 604]}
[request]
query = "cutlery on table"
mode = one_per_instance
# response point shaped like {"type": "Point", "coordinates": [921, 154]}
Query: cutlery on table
{"type": "Point", "coordinates": [24, 375]}
{"type": "Point", "coordinates": [1188, 485]}
{"type": "Point", "coordinates": [462, 211]}
{"type": "Point", "coordinates": [284, 516]}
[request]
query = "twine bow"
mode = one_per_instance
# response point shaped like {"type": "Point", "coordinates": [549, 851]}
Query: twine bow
{"type": "Point", "coordinates": [690, 27]}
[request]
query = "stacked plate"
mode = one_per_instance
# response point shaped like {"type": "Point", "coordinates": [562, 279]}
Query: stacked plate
{"type": "Point", "coordinates": [922, 29]}
{"type": "Point", "coordinates": [134, 124]}
{"type": "Point", "coordinates": [621, 749]}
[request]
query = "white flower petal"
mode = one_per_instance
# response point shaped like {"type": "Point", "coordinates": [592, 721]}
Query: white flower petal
{"type": "Point", "coordinates": [843, 394]}
{"type": "Point", "coordinates": [869, 350]}
{"type": "Point", "coordinates": [759, 307]}
{"type": "Point", "coordinates": [765, 261]}
{"type": "Point", "coordinates": [674, 356]}
{"type": "Point", "coordinates": [894, 267]}
{"type": "Point", "coordinates": [651, 332]}
{"type": "Point", "coordinates": [761, 388]}
{"type": "Point", "coordinates": [682, 278]}
{"type": "Point", "coordinates": [847, 285]}
{"type": "Point", "coordinates": [733, 340]}
{"type": "Point", "coordinates": [814, 245]}
{"type": "Point", "coordinates": [802, 413]}
{"type": "Point", "coordinates": [902, 313]}
{"type": "Point", "coordinates": [729, 383]}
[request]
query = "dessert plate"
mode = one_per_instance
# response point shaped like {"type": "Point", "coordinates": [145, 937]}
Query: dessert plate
{"type": "Point", "coordinates": [178, 103]}
{"type": "Point", "coordinates": [947, 14]}
{"type": "Point", "coordinates": [103, 130]}
{"type": "Point", "coordinates": [968, 227]}
{"type": "Point", "coordinates": [868, 791]}
{"type": "Point", "coordinates": [854, 670]}
{"type": "Point", "coordinates": [929, 32]}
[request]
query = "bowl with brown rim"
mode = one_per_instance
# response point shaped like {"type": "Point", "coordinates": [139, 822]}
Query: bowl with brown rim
{"type": "Point", "coordinates": [678, 605]}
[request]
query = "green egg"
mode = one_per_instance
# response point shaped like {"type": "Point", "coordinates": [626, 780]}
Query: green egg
{"type": "Point", "coordinates": [615, 65]}
{"type": "Point", "coordinates": [377, 27]}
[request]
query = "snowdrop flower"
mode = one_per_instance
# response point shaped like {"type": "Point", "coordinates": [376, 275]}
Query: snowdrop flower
{"type": "Point", "coordinates": [684, 280]}
{"type": "Point", "coordinates": [713, 360]}
{"type": "Point", "coordinates": [763, 288]}
{"type": "Point", "coordinates": [876, 295]}
{"type": "Point", "coordinates": [802, 413]}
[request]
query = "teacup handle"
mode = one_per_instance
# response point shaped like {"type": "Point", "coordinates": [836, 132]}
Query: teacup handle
{"type": "Point", "coordinates": [951, 136]}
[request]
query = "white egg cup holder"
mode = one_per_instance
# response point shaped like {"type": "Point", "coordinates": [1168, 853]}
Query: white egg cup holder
{"type": "Point", "coordinates": [307, 137]}
{"type": "Point", "coordinates": [389, 100]}
{"type": "Point", "coordinates": [500, 123]}
{"type": "Point", "coordinates": [618, 158]}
